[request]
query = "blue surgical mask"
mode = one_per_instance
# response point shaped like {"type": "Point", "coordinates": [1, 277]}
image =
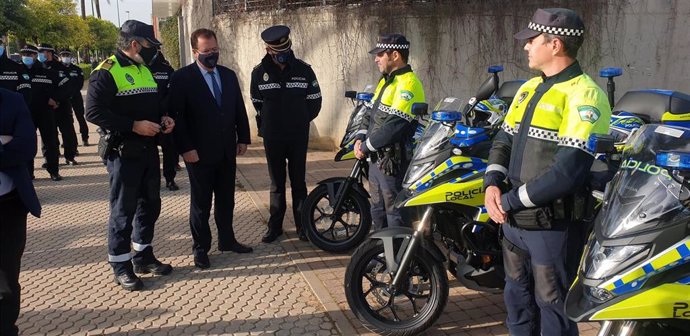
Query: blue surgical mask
{"type": "Point", "coordinates": [28, 60]}
{"type": "Point", "coordinates": [2, 49]}
{"type": "Point", "coordinates": [42, 58]}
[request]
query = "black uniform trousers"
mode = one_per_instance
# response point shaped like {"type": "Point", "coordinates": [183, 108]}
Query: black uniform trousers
{"type": "Point", "coordinates": [135, 205]}
{"type": "Point", "coordinates": [170, 157]}
{"type": "Point", "coordinates": [537, 281]}
{"type": "Point", "coordinates": [294, 151]}
{"type": "Point", "coordinates": [77, 103]}
{"type": "Point", "coordinates": [65, 122]}
{"type": "Point", "coordinates": [383, 190]}
{"type": "Point", "coordinates": [12, 243]}
{"type": "Point", "coordinates": [207, 180]}
{"type": "Point", "coordinates": [45, 123]}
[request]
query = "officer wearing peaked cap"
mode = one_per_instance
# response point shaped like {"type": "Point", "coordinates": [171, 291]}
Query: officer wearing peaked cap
{"type": "Point", "coordinates": [44, 97]}
{"type": "Point", "coordinates": [76, 75]}
{"type": "Point", "coordinates": [542, 152]}
{"type": "Point", "coordinates": [287, 97]}
{"type": "Point", "coordinates": [387, 131]}
{"type": "Point", "coordinates": [63, 112]}
{"type": "Point", "coordinates": [123, 99]}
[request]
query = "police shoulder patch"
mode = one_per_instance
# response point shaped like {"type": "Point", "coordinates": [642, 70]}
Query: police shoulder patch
{"type": "Point", "coordinates": [266, 77]}
{"type": "Point", "coordinates": [406, 95]}
{"type": "Point", "coordinates": [315, 83]}
{"type": "Point", "coordinates": [129, 78]}
{"type": "Point", "coordinates": [26, 76]}
{"type": "Point", "coordinates": [589, 113]}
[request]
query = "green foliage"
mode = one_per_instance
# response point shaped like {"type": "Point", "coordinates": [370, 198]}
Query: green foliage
{"type": "Point", "coordinates": [86, 68]}
{"type": "Point", "coordinates": [12, 15]}
{"type": "Point", "coordinates": [170, 40]}
{"type": "Point", "coordinates": [55, 22]}
{"type": "Point", "coordinates": [102, 34]}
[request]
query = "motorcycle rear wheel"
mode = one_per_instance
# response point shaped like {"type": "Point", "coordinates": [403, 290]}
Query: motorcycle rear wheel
{"type": "Point", "coordinates": [413, 310]}
{"type": "Point", "coordinates": [342, 234]}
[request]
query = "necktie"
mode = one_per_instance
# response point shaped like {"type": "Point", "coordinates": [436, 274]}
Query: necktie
{"type": "Point", "coordinates": [216, 89]}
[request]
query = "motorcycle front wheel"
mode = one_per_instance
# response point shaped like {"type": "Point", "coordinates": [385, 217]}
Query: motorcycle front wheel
{"type": "Point", "coordinates": [336, 235]}
{"type": "Point", "coordinates": [410, 310]}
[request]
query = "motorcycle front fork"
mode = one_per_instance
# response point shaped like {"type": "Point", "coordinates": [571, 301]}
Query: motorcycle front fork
{"type": "Point", "coordinates": [344, 188]}
{"type": "Point", "coordinates": [624, 328]}
{"type": "Point", "coordinates": [408, 249]}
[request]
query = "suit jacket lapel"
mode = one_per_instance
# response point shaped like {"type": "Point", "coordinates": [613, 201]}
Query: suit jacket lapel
{"type": "Point", "coordinates": [201, 77]}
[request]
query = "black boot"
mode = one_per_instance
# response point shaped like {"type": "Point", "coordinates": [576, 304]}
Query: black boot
{"type": "Point", "coordinates": [272, 234]}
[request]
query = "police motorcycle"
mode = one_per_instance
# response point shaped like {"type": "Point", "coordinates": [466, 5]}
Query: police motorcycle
{"type": "Point", "coordinates": [396, 281]}
{"type": "Point", "coordinates": [336, 215]}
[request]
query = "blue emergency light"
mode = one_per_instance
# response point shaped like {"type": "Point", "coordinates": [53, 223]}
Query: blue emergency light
{"type": "Point", "coordinates": [673, 160]}
{"type": "Point", "coordinates": [610, 72]}
{"type": "Point", "coordinates": [365, 96]}
{"type": "Point", "coordinates": [495, 68]}
{"type": "Point", "coordinates": [446, 116]}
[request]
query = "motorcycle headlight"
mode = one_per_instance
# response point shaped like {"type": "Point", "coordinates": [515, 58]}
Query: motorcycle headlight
{"type": "Point", "coordinates": [603, 261]}
{"type": "Point", "coordinates": [414, 173]}
{"type": "Point", "coordinates": [600, 293]}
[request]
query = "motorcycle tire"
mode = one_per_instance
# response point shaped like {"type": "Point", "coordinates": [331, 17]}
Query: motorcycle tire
{"type": "Point", "coordinates": [327, 239]}
{"type": "Point", "coordinates": [369, 258]}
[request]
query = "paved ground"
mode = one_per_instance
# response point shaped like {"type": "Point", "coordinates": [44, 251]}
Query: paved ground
{"type": "Point", "coordinates": [283, 288]}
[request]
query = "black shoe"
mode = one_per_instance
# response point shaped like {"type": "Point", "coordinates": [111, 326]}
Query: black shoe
{"type": "Point", "coordinates": [201, 261]}
{"type": "Point", "coordinates": [236, 247]}
{"type": "Point", "coordinates": [156, 267]}
{"type": "Point", "coordinates": [178, 167]}
{"type": "Point", "coordinates": [129, 281]}
{"type": "Point", "coordinates": [271, 235]}
{"type": "Point", "coordinates": [172, 186]}
{"type": "Point", "coordinates": [44, 165]}
{"type": "Point", "coordinates": [86, 142]}
{"type": "Point", "coordinates": [71, 162]}
{"type": "Point", "coordinates": [56, 177]}
{"type": "Point", "coordinates": [302, 236]}
{"type": "Point", "coordinates": [76, 153]}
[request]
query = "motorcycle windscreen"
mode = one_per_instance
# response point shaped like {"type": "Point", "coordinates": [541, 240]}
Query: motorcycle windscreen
{"type": "Point", "coordinates": [434, 140]}
{"type": "Point", "coordinates": [355, 122]}
{"type": "Point", "coordinates": [644, 196]}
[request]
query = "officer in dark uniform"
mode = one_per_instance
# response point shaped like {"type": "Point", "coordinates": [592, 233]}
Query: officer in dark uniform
{"type": "Point", "coordinates": [161, 71]}
{"type": "Point", "coordinates": [542, 152]}
{"type": "Point", "coordinates": [13, 76]}
{"type": "Point", "coordinates": [387, 131]}
{"type": "Point", "coordinates": [287, 97]}
{"type": "Point", "coordinates": [123, 99]}
{"type": "Point", "coordinates": [63, 112]}
{"type": "Point", "coordinates": [76, 75]}
{"type": "Point", "coordinates": [44, 97]}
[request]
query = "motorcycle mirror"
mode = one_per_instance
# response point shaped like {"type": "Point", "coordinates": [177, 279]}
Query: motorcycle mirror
{"type": "Point", "coordinates": [420, 109]}
{"type": "Point", "coordinates": [351, 94]}
{"type": "Point", "coordinates": [601, 143]}
{"type": "Point", "coordinates": [489, 86]}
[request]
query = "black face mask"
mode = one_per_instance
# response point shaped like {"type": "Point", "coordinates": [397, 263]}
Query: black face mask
{"type": "Point", "coordinates": [283, 57]}
{"type": "Point", "coordinates": [147, 54]}
{"type": "Point", "coordinates": [209, 60]}
{"type": "Point", "coordinates": [153, 60]}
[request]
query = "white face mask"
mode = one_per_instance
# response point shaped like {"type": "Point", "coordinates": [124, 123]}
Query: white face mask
{"type": "Point", "coordinates": [67, 60]}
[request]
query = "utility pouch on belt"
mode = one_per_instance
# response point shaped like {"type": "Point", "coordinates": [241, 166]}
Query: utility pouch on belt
{"type": "Point", "coordinates": [534, 218]}
{"type": "Point", "coordinates": [107, 144]}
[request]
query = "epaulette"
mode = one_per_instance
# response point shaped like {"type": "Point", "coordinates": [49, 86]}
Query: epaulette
{"type": "Point", "coordinates": [166, 63]}
{"type": "Point", "coordinates": [107, 64]}
{"type": "Point", "coordinates": [257, 66]}
{"type": "Point", "coordinates": [305, 63]}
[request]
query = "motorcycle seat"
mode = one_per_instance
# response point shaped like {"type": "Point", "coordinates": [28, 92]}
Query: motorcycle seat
{"type": "Point", "coordinates": [508, 90]}
{"type": "Point", "coordinates": [651, 105]}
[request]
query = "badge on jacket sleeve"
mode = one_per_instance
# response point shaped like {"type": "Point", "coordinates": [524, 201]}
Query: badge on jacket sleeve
{"type": "Point", "coordinates": [25, 76]}
{"type": "Point", "coordinates": [265, 77]}
{"type": "Point", "coordinates": [589, 113]}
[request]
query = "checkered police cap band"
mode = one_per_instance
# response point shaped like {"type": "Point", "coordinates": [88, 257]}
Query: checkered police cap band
{"type": "Point", "coordinates": [392, 46]}
{"type": "Point", "coordinates": [28, 50]}
{"type": "Point", "coordinates": [555, 30]}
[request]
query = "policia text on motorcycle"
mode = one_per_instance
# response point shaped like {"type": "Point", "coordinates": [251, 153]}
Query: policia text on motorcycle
{"type": "Point", "coordinates": [387, 130]}
{"type": "Point", "coordinates": [123, 100]}
{"type": "Point", "coordinates": [541, 149]}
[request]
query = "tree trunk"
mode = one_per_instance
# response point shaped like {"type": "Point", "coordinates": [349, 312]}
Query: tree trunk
{"type": "Point", "coordinates": [83, 9]}
{"type": "Point", "coordinates": [98, 9]}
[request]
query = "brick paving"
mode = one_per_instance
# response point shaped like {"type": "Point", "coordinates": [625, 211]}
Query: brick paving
{"type": "Point", "coordinates": [284, 288]}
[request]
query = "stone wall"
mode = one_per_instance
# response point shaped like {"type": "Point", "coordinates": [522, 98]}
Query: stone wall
{"type": "Point", "coordinates": [452, 45]}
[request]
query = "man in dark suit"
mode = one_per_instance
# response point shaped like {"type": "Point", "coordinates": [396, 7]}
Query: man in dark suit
{"type": "Point", "coordinates": [212, 128]}
{"type": "Point", "coordinates": [17, 198]}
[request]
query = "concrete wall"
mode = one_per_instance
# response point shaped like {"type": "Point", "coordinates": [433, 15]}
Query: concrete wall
{"type": "Point", "coordinates": [452, 45]}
